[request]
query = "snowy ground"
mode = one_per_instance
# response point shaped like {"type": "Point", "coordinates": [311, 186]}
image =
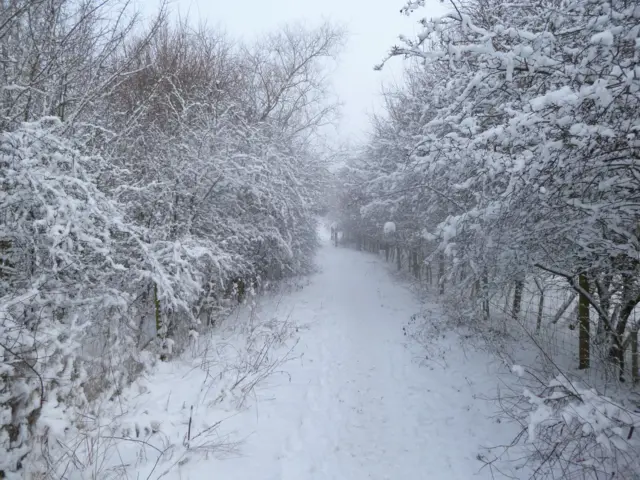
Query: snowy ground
{"type": "Point", "coordinates": [358, 400]}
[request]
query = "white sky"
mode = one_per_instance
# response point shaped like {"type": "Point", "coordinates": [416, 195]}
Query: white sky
{"type": "Point", "coordinates": [373, 27]}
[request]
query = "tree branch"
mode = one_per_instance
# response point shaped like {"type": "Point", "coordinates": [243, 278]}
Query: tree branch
{"type": "Point", "coordinates": [570, 278]}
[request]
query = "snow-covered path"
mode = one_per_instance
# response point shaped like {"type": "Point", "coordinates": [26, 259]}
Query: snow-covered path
{"type": "Point", "coordinates": [359, 404]}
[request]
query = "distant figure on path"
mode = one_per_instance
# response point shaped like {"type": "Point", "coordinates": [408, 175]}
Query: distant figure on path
{"type": "Point", "coordinates": [334, 234]}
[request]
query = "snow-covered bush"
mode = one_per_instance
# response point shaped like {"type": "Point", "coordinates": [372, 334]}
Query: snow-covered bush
{"type": "Point", "coordinates": [218, 160]}
{"type": "Point", "coordinates": [572, 431]}
{"type": "Point", "coordinates": [64, 266]}
{"type": "Point", "coordinates": [389, 228]}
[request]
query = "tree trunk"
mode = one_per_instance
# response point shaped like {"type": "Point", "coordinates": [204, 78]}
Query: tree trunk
{"type": "Point", "coordinates": [517, 299]}
{"type": "Point", "coordinates": [540, 305]}
{"type": "Point", "coordinates": [562, 309]}
{"type": "Point", "coordinates": [485, 295]}
{"type": "Point", "coordinates": [584, 325]}
{"type": "Point", "coordinates": [399, 258]}
{"type": "Point", "coordinates": [156, 304]}
{"type": "Point", "coordinates": [5, 264]}
{"type": "Point", "coordinates": [441, 274]}
{"type": "Point", "coordinates": [604, 297]}
{"type": "Point", "coordinates": [540, 310]}
{"type": "Point", "coordinates": [635, 375]}
{"type": "Point", "coordinates": [630, 300]}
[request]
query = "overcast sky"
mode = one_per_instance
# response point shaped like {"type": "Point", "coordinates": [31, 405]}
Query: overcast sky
{"type": "Point", "coordinates": [373, 26]}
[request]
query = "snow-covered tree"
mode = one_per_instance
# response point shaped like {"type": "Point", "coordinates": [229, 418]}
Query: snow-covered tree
{"type": "Point", "coordinates": [148, 176]}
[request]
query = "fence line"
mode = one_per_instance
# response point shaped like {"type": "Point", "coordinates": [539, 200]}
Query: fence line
{"type": "Point", "coordinates": [547, 309]}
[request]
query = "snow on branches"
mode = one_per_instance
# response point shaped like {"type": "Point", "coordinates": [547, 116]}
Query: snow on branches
{"type": "Point", "coordinates": [514, 143]}
{"type": "Point", "coordinates": [148, 182]}
{"type": "Point", "coordinates": [572, 430]}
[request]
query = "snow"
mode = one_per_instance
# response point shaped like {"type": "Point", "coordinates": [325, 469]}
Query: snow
{"type": "Point", "coordinates": [603, 38]}
{"type": "Point", "coordinates": [355, 399]}
{"type": "Point", "coordinates": [428, 236]}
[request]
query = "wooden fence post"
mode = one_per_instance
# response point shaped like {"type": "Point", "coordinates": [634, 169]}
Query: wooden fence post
{"type": "Point", "coordinates": [441, 273]}
{"type": "Point", "coordinates": [583, 324]}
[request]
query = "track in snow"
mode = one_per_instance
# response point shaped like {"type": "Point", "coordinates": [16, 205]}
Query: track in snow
{"type": "Point", "coordinates": [360, 405]}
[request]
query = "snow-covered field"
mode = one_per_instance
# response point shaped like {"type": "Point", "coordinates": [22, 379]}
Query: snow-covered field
{"type": "Point", "coordinates": [341, 394]}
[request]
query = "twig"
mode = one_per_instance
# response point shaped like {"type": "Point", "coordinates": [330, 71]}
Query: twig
{"type": "Point", "coordinates": [189, 428]}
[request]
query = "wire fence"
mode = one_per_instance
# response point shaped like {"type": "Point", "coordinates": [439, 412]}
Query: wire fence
{"type": "Point", "coordinates": [546, 317]}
